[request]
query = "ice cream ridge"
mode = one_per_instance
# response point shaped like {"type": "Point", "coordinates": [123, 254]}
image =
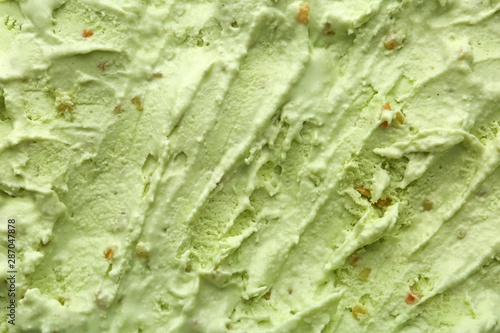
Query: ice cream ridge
{"type": "Point", "coordinates": [251, 165]}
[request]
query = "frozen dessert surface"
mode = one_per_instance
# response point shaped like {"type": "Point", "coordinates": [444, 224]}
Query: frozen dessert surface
{"type": "Point", "coordinates": [251, 166]}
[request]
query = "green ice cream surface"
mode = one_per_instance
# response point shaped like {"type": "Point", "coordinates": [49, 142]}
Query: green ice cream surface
{"type": "Point", "coordinates": [251, 165]}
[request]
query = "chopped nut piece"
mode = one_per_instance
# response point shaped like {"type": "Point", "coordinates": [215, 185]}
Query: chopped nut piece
{"type": "Point", "coordinates": [461, 234]}
{"type": "Point", "coordinates": [410, 299]}
{"type": "Point", "coordinates": [290, 291]}
{"type": "Point", "coordinates": [413, 297]}
{"type": "Point", "coordinates": [394, 40]}
{"type": "Point", "coordinates": [109, 254]}
{"type": "Point", "coordinates": [427, 205]}
{"type": "Point", "coordinates": [157, 75]}
{"type": "Point", "coordinates": [103, 66]}
{"type": "Point", "coordinates": [385, 107]}
{"type": "Point", "coordinates": [118, 109]}
{"type": "Point", "coordinates": [399, 118]}
{"type": "Point", "coordinates": [364, 274]}
{"type": "Point", "coordinates": [354, 259]}
{"type": "Point", "coordinates": [87, 33]}
{"type": "Point", "coordinates": [64, 102]}
{"type": "Point", "coordinates": [358, 311]}
{"type": "Point", "coordinates": [303, 14]}
{"type": "Point", "coordinates": [328, 30]}
{"type": "Point", "coordinates": [391, 45]}
{"type": "Point", "coordinates": [383, 202]}
{"type": "Point", "coordinates": [364, 191]}
{"type": "Point", "coordinates": [138, 103]}
{"type": "Point", "coordinates": [391, 42]}
{"type": "Point", "coordinates": [267, 296]}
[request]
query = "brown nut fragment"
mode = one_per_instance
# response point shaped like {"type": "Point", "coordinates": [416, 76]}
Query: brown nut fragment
{"type": "Point", "coordinates": [354, 259]}
{"type": "Point", "coordinates": [267, 296]}
{"type": "Point", "coordinates": [137, 103]}
{"type": "Point", "coordinates": [118, 109]}
{"type": "Point", "coordinates": [383, 202]}
{"type": "Point", "coordinates": [391, 45]}
{"type": "Point", "coordinates": [64, 102]}
{"type": "Point", "coordinates": [461, 234]}
{"type": "Point", "coordinates": [427, 205]}
{"type": "Point", "coordinates": [328, 29]}
{"type": "Point", "coordinates": [364, 274]}
{"type": "Point", "coordinates": [413, 297]}
{"type": "Point", "coordinates": [399, 118]}
{"type": "Point", "coordinates": [358, 311]}
{"type": "Point", "coordinates": [364, 191]}
{"type": "Point", "coordinates": [103, 66]}
{"type": "Point", "coordinates": [391, 42]}
{"type": "Point", "coordinates": [109, 253]}
{"type": "Point", "coordinates": [303, 14]}
{"type": "Point", "coordinates": [62, 108]}
{"type": "Point", "coordinates": [87, 33]}
{"type": "Point", "coordinates": [386, 106]}
{"type": "Point", "coordinates": [384, 124]}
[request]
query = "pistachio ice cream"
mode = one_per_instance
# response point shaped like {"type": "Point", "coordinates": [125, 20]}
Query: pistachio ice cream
{"type": "Point", "coordinates": [250, 165]}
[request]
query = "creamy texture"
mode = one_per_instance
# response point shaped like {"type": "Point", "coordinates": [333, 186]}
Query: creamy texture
{"type": "Point", "coordinates": [249, 166]}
